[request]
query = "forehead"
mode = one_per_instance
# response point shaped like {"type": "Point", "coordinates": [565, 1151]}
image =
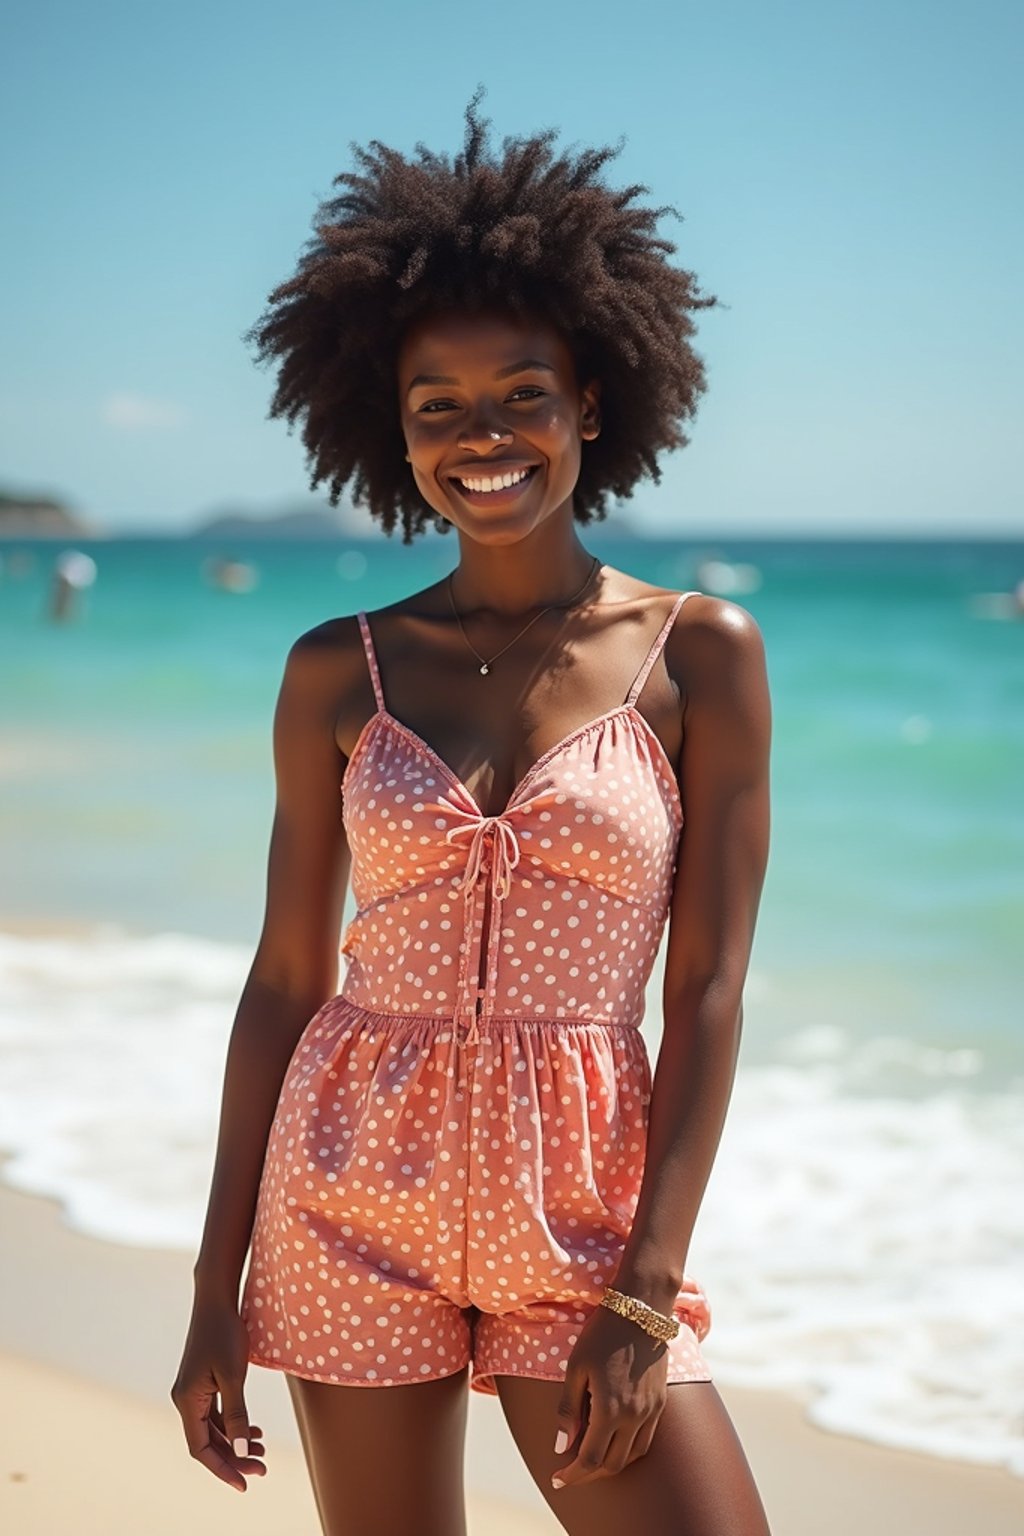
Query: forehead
{"type": "Point", "coordinates": [458, 342]}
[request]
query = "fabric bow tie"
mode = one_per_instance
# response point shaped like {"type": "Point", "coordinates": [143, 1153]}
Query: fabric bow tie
{"type": "Point", "coordinates": [506, 851]}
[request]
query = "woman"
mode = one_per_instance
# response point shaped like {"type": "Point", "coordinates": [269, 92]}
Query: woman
{"type": "Point", "coordinates": [458, 1171]}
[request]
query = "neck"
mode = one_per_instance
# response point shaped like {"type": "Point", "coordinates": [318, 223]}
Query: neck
{"type": "Point", "coordinates": [509, 580]}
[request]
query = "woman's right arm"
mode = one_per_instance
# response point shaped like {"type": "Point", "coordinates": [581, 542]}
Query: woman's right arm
{"type": "Point", "coordinates": [294, 971]}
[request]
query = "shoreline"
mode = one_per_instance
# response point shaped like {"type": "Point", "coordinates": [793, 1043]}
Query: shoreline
{"type": "Point", "coordinates": [91, 1334]}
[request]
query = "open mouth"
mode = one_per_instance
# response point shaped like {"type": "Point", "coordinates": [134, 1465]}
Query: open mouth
{"type": "Point", "coordinates": [513, 480]}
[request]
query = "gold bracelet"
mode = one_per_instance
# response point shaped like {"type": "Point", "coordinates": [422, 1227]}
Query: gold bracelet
{"type": "Point", "coordinates": [651, 1321]}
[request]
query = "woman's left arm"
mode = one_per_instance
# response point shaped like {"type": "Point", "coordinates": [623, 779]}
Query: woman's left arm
{"type": "Point", "coordinates": [723, 856]}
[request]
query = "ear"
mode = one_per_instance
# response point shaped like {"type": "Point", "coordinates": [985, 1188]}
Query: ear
{"type": "Point", "coordinates": [590, 410]}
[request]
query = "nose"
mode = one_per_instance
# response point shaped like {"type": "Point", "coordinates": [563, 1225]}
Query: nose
{"type": "Point", "coordinates": [483, 433]}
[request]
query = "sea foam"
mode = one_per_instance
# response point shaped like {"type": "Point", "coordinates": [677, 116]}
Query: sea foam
{"type": "Point", "coordinates": [860, 1247]}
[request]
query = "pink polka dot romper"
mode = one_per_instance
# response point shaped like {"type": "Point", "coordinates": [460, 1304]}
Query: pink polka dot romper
{"type": "Point", "coordinates": [456, 1154]}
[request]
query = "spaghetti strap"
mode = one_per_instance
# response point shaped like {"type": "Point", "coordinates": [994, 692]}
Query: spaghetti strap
{"type": "Point", "coordinates": [655, 650]}
{"type": "Point", "coordinates": [371, 661]}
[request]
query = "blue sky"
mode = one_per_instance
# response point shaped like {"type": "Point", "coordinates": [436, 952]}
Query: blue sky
{"type": "Point", "coordinates": [848, 176]}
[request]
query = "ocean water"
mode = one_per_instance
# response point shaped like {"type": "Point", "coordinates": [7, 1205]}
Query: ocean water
{"type": "Point", "coordinates": [861, 1238]}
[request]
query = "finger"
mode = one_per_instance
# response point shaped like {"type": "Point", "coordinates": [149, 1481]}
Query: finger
{"type": "Point", "coordinates": [570, 1415]}
{"type": "Point", "coordinates": [620, 1453]}
{"type": "Point", "coordinates": [251, 1462]}
{"type": "Point", "coordinates": [235, 1418]}
{"type": "Point", "coordinates": [195, 1416]}
{"type": "Point", "coordinates": [220, 1439]}
{"type": "Point", "coordinates": [217, 1418]}
{"type": "Point", "coordinates": [223, 1441]}
{"type": "Point", "coordinates": [644, 1436]}
{"type": "Point", "coordinates": [589, 1458]}
{"type": "Point", "coordinates": [228, 1471]}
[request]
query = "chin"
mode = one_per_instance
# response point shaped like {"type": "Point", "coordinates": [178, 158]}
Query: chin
{"type": "Point", "coordinates": [495, 533]}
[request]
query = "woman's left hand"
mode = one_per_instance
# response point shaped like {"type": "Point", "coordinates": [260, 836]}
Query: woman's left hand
{"type": "Point", "coordinates": [623, 1372]}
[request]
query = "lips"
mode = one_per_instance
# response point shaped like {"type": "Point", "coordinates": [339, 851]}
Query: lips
{"type": "Point", "coordinates": [500, 480]}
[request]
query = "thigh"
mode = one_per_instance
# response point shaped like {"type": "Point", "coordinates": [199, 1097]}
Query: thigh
{"type": "Point", "coordinates": [694, 1480]}
{"type": "Point", "coordinates": [385, 1461]}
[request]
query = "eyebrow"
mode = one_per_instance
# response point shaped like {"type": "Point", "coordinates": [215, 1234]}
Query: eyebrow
{"type": "Point", "coordinates": [524, 366]}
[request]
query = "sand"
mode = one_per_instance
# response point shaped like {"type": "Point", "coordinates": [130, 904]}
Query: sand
{"type": "Point", "coordinates": [90, 1337]}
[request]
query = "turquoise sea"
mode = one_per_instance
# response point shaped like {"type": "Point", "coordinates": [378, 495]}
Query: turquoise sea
{"type": "Point", "coordinates": [864, 1210]}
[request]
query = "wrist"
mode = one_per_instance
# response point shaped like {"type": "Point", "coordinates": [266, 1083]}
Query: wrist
{"type": "Point", "coordinates": [658, 1286]}
{"type": "Point", "coordinates": [213, 1289]}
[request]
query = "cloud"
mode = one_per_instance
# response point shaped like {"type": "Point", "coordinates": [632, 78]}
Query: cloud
{"type": "Point", "coordinates": [130, 413]}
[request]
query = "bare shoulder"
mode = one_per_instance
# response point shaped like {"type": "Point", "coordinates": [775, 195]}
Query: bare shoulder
{"type": "Point", "coordinates": [709, 615]}
{"type": "Point", "coordinates": [322, 656]}
{"type": "Point", "coordinates": [326, 685]}
{"type": "Point", "coordinates": [702, 615]}
{"type": "Point", "coordinates": [713, 636]}
{"type": "Point", "coordinates": [326, 640]}
{"type": "Point", "coordinates": [716, 653]}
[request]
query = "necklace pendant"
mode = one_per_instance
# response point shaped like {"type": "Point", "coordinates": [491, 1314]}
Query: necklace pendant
{"type": "Point", "coordinates": [485, 669]}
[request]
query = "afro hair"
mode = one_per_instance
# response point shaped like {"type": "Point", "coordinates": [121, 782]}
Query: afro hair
{"type": "Point", "coordinates": [527, 231]}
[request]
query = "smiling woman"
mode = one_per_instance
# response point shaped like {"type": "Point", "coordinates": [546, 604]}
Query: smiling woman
{"type": "Point", "coordinates": [457, 1171]}
{"type": "Point", "coordinates": [492, 438]}
{"type": "Point", "coordinates": [530, 230]}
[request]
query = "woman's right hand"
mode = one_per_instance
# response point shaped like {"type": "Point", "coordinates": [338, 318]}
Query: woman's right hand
{"type": "Point", "coordinates": [215, 1361]}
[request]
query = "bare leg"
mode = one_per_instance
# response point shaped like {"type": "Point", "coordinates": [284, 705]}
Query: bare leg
{"type": "Point", "coordinates": [385, 1461]}
{"type": "Point", "coordinates": [693, 1481]}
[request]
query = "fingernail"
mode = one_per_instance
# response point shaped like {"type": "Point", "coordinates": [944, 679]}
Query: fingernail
{"type": "Point", "coordinates": [556, 1482]}
{"type": "Point", "coordinates": [561, 1441]}
{"type": "Point", "coordinates": [241, 1445]}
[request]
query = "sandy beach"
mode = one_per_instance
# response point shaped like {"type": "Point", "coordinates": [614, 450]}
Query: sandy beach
{"type": "Point", "coordinates": [90, 1335]}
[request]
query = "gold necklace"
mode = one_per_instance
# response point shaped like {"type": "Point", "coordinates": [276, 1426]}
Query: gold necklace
{"type": "Point", "coordinates": [485, 664]}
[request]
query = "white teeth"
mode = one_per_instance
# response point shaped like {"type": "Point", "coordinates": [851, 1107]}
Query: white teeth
{"type": "Point", "coordinates": [496, 482]}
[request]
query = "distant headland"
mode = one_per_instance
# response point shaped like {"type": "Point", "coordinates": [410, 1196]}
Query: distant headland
{"type": "Point", "coordinates": [42, 517]}
{"type": "Point", "coordinates": [310, 519]}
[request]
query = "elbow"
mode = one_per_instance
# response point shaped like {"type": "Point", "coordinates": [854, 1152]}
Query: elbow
{"type": "Point", "coordinates": [714, 1001]}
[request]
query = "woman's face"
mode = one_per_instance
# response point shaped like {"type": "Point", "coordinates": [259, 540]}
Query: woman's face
{"type": "Point", "coordinates": [494, 418]}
